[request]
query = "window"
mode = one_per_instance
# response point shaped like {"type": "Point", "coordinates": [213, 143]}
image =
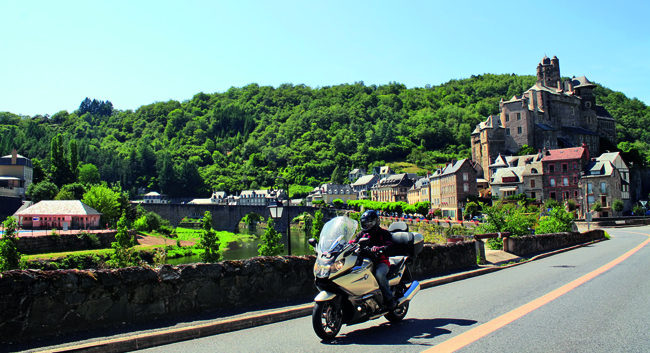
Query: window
{"type": "Point", "coordinates": [507, 132]}
{"type": "Point", "coordinates": [553, 195]}
{"type": "Point", "coordinates": [533, 195]}
{"type": "Point", "coordinates": [507, 118]}
{"type": "Point", "coordinates": [566, 195]}
{"type": "Point", "coordinates": [591, 199]}
{"type": "Point", "coordinates": [565, 167]}
{"type": "Point", "coordinates": [565, 181]}
{"type": "Point", "coordinates": [520, 130]}
{"type": "Point", "coordinates": [590, 188]}
{"type": "Point", "coordinates": [575, 179]}
{"type": "Point", "coordinates": [532, 183]}
{"type": "Point", "coordinates": [465, 187]}
{"type": "Point", "coordinates": [551, 168]}
{"type": "Point", "coordinates": [518, 116]}
{"type": "Point", "coordinates": [552, 181]}
{"type": "Point", "coordinates": [575, 194]}
{"type": "Point", "coordinates": [465, 176]}
{"type": "Point", "coordinates": [603, 187]}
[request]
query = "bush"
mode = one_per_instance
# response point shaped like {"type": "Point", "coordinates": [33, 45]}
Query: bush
{"type": "Point", "coordinates": [10, 258]}
{"type": "Point", "coordinates": [140, 224]}
{"type": "Point", "coordinates": [165, 229]}
{"type": "Point", "coordinates": [90, 239]}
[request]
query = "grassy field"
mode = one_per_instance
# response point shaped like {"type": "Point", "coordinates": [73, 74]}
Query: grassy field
{"type": "Point", "coordinates": [405, 167]}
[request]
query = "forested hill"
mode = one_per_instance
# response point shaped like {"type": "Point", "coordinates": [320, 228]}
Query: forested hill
{"type": "Point", "coordinates": [244, 137]}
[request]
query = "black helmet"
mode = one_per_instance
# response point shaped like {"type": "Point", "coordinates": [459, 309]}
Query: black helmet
{"type": "Point", "coordinates": [369, 220]}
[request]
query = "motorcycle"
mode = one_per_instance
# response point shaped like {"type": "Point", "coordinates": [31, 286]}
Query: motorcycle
{"type": "Point", "coordinates": [349, 293]}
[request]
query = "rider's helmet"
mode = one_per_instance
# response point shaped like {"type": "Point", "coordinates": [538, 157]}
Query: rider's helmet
{"type": "Point", "coordinates": [369, 221]}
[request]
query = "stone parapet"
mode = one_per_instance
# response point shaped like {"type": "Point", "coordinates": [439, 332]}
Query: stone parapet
{"type": "Point", "coordinates": [37, 303]}
{"type": "Point", "coordinates": [64, 241]}
{"type": "Point", "coordinates": [545, 242]}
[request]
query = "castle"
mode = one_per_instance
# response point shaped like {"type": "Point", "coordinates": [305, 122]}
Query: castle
{"type": "Point", "coordinates": [551, 114]}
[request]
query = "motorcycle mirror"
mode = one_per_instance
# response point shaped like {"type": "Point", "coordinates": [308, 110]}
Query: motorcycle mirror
{"type": "Point", "coordinates": [312, 242]}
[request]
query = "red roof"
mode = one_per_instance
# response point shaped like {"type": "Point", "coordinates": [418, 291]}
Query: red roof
{"type": "Point", "coordinates": [564, 154]}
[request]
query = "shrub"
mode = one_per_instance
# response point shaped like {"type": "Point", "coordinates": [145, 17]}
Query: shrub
{"type": "Point", "coordinates": [141, 224]}
{"type": "Point", "coordinates": [270, 241]}
{"type": "Point", "coordinates": [10, 258]}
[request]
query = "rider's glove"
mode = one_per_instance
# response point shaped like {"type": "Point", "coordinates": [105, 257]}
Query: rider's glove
{"type": "Point", "coordinates": [377, 249]}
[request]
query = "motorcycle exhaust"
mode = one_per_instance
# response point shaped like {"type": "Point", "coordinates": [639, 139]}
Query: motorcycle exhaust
{"type": "Point", "coordinates": [410, 293]}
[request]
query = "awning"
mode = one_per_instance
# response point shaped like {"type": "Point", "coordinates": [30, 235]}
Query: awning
{"type": "Point", "coordinates": [514, 188]}
{"type": "Point", "coordinates": [5, 177]}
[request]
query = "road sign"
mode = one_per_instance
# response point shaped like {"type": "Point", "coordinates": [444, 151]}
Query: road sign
{"type": "Point", "coordinates": [588, 217]}
{"type": "Point", "coordinates": [643, 203]}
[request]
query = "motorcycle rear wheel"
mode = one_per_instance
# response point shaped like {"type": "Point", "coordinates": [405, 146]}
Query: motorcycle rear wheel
{"type": "Point", "coordinates": [327, 319]}
{"type": "Point", "coordinates": [398, 313]}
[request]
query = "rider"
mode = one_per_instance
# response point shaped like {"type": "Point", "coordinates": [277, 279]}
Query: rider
{"type": "Point", "coordinates": [381, 246]}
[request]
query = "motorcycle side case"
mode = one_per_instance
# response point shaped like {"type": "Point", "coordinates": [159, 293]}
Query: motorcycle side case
{"type": "Point", "coordinates": [407, 243]}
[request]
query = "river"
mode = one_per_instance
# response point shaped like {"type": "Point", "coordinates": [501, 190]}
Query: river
{"type": "Point", "coordinates": [248, 249]}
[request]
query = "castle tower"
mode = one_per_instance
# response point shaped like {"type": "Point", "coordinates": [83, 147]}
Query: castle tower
{"type": "Point", "coordinates": [548, 72]}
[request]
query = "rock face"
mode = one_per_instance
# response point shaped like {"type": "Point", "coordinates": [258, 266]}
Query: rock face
{"type": "Point", "coordinates": [36, 303]}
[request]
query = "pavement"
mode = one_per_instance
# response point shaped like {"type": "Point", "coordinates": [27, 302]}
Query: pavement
{"type": "Point", "coordinates": [126, 339]}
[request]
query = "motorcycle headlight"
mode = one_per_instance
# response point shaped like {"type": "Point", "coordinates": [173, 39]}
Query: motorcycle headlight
{"type": "Point", "coordinates": [337, 266]}
{"type": "Point", "coordinates": [321, 270]}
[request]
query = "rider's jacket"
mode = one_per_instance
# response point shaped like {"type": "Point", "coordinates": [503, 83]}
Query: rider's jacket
{"type": "Point", "coordinates": [379, 237]}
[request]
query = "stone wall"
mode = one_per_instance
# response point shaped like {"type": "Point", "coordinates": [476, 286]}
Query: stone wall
{"type": "Point", "coordinates": [545, 242]}
{"type": "Point", "coordinates": [64, 242]}
{"type": "Point", "coordinates": [40, 303]}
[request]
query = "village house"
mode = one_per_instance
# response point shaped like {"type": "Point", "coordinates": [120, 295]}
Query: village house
{"type": "Point", "coordinates": [507, 182]}
{"type": "Point", "coordinates": [154, 197]}
{"type": "Point", "coordinates": [533, 180]}
{"type": "Point", "coordinates": [620, 165]}
{"type": "Point", "coordinates": [355, 174]}
{"type": "Point", "coordinates": [16, 173]}
{"type": "Point", "coordinates": [382, 172]}
{"type": "Point", "coordinates": [457, 181]}
{"type": "Point", "coordinates": [330, 192]}
{"type": "Point", "coordinates": [393, 188]}
{"type": "Point", "coordinates": [59, 214]}
{"type": "Point", "coordinates": [601, 182]}
{"type": "Point", "coordinates": [419, 192]}
{"type": "Point", "coordinates": [260, 197]}
{"type": "Point", "coordinates": [561, 171]}
{"type": "Point", "coordinates": [363, 185]}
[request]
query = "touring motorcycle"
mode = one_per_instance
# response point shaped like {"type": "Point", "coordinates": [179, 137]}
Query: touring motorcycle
{"type": "Point", "coordinates": [349, 293]}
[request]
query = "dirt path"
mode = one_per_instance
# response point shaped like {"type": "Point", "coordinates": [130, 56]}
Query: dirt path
{"type": "Point", "coordinates": [146, 240]}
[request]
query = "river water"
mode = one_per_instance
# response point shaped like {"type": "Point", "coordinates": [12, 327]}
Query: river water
{"type": "Point", "coordinates": [248, 249]}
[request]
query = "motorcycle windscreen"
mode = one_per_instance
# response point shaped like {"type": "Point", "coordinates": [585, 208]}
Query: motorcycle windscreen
{"type": "Point", "coordinates": [336, 234]}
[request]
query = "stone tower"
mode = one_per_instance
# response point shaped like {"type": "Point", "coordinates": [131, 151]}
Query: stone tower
{"type": "Point", "coordinates": [548, 72]}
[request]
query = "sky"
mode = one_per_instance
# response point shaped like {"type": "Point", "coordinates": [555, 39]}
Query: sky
{"type": "Point", "coordinates": [53, 54]}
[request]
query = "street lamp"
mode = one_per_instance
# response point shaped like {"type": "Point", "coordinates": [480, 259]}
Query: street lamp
{"type": "Point", "coordinates": [276, 209]}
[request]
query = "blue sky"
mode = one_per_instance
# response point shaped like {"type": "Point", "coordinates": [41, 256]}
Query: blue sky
{"type": "Point", "coordinates": [53, 54]}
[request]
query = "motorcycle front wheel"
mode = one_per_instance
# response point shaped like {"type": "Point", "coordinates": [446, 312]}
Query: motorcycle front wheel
{"type": "Point", "coordinates": [327, 319]}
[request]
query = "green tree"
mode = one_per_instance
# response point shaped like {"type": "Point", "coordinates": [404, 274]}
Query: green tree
{"type": "Point", "coordinates": [65, 195]}
{"type": "Point", "coordinates": [124, 254]}
{"type": "Point", "coordinates": [618, 206]}
{"type": "Point", "coordinates": [38, 171]}
{"type": "Point", "coordinates": [597, 207]}
{"type": "Point", "coordinates": [209, 240]}
{"type": "Point", "coordinates": [526, 150]}
{"type": "Point", "coordinates": [89, 174]}
{"type": "Point", "coordinates": [10, 258]}
{"type": "Point", "coordinates": [270, 241]}
{"type": "Point", "coordinates": [76, 189]}
{"type": "Point", "coordinates": [337, 203]}
{"type": "Point", "coordinates": [338, 175]}
{"type": "Point", "coordinates": [317, 225]}
{"type": "Point", "coordinates": [105, 200]}
{"type": "Point", "coordinates": [44, 190]}
{"type": "Point", "coordinates": [167, 180]}
{"type": "Point", "coordinates": [557, 221]}
{"type": "Point", "coordinates": [471, 209]}
{"type": "Point", "coordinates": [74, 162]}
{"type": "Point", "coordinates": [141, 224]}
{"type": "Point", "coordinates": [60, 172]}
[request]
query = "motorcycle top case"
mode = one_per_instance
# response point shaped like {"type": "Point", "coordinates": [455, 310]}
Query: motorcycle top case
{"type": "Point", "coordinates": [407, 243]}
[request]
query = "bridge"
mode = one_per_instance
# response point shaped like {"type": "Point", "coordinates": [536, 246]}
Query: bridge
{"type": "Point", "coordinates": [227, 218]}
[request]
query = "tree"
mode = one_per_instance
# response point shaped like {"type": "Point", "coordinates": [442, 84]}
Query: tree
{"type": "Point", "coordinates": [471, 209]}
{"type": "Point", "coordinates": [60, 172]}
{"type": "Point", "coordinates": [9, 255]}
{"type": "Point", "coordinates": [526, 150]}
{"type": "Point", "coordinates": [38, 171]}
{"type": "Point", "coordinates": [44, 190]}
{"type": "Point", "coordinates": [338, 175]}
{"type": "Point", "coordinates": [76, 189]}
{"type": "Point", "coordinates": [618, 206]}
{"type": "Point", "coordinates": [270, 241]}
{"type": "Point", "coordinates": [557, 221]}
{"type": "Point", "coordinates": [74, 162]}
{"type": "Point", "coordinates": [105, 200]}
{"type": "Point", "coordinates": [124, 254]}
{"type": "Point", "coordinates": [317, 225]}
{"type": "Point", "coordinates": [337, 203]}
{"type": "Point", "coordinates": [209, 240]}
{"type": "Point", "coordinates": [65, 195]}
{"type": "Point", "coordinates": [597, 207]}
{"type": "Point", "coordinates": [89, 174]}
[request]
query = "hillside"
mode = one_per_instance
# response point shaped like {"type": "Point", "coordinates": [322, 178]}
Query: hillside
{"type": "Point", "coordinates": [244, 137]}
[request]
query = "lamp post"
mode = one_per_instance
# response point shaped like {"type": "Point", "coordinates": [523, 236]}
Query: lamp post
{"type": "Point", "coordinates": [278, 208]}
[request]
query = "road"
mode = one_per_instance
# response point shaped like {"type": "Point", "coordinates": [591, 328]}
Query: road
{"type": "Point", "coordinates": [546, 305]}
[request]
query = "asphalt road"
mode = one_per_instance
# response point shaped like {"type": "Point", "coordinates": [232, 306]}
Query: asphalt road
{"type": "Point", "coordinates": [507, 311]}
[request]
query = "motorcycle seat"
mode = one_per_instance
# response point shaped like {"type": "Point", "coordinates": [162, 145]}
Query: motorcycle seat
{"type": "Point", "coordinates": [395, 264]}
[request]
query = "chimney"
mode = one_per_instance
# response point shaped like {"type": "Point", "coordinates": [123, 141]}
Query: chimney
{"type": "Point", "coordinates": [584, 145]}
{"type": "Point", "coordinates": [14, 156]}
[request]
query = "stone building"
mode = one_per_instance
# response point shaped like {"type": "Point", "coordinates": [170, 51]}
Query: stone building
{"type": "Point", "coordinates": [363, 185]}
{"type": "Point", "coordinates": [419, 192]}
{"type": "Point", "coordinates": [561, 171]}
{"type": "Point", "coordinates": [393, 188]}
{"type": "Point", "coordinates": [453, 184]}
{"type": "Point", "coordinates": [602, 183]}
{"type": "Point", "coordinates": [59, 214]}
{"type": "Point", "coordinates": [551, 114]}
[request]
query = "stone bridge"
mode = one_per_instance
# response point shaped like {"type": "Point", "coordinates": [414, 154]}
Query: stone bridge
{"type": "Point", "coordinates": [226, 218]}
